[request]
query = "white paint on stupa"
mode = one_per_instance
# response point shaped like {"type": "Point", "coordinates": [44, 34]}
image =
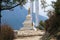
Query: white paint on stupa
{"type": "Point", "coordinates": [34, 26]}
{"type": "Point", "coordinates": [28, 22]}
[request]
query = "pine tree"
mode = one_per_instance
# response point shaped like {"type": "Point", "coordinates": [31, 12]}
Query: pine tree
{"type": "Point", "coordinates": [54, 21]}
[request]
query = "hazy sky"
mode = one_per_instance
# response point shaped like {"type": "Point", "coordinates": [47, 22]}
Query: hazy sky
{"type": "Point", "coordinates": [41, 11]}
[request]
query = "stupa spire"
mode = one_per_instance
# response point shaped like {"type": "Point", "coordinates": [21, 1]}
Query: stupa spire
{"type": "Point", "coordinates": [29, 11]}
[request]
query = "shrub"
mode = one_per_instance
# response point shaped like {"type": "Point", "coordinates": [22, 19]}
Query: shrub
{"type": "Point", "coordinates": [7, 33]}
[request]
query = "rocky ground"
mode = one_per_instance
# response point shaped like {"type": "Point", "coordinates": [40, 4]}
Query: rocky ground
{"type": "Point", "coordinates": [29, 35]}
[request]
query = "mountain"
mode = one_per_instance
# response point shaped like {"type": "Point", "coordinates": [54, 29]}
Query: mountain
{"type": "Point", "coordinates": [16, 17]}
{"type": "Point", "coordinates": [40, 17]}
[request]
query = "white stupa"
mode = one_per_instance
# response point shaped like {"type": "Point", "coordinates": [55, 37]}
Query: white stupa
{"type": "Point", "coordinates": [28, 31]}
{"type": "Point", "coordinates": [27, 24]}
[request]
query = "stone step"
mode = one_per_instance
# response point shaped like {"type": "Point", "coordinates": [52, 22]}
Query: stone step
{"type": "Point", "coordinates": [29, 38]}
{"type": "Point", "coordinates": [30, 33]}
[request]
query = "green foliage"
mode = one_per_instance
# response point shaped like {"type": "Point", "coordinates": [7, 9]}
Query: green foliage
{"type": "Point", "coordinates": [52, 25]}
{"type": "Point", "coordinates": [53, 22]}
{"type": "Point", "coordinates": [32, 0]}
{"type": "Point", "coordinates": [43, 3]}
{"type": "Point", "coordinates": [41, 25]}
{"type": "Point", "coordinates": [21, 2]}
{"type": "Point", "coordinates": [6, 33]}
{"type": "Point", "coordinates": [57, 7]}
{"type": "Point", "coordinates": [8, 4]}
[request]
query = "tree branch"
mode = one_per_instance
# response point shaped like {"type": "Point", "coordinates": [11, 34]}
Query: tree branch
{"type": "Point", "coordinates": [10, 7]}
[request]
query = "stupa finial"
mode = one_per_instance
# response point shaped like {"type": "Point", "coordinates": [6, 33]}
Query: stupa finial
{"type": "Point", "coordinates": [29, 11]}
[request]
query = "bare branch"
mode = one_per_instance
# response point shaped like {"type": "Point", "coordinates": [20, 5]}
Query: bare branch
{"type": "Point", "coordinates": [10, 7]}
